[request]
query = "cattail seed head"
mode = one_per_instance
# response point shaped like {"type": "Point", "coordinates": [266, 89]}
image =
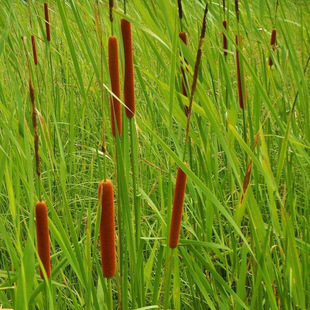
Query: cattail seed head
{"type": "Point", "coordinates": [225, 38]}
{"type": "Point", "coordinates": [43, 241]}
{"type": "Point", "coordinates": [273, 42]}
{"type": "Point", "coordinates": [47, 22]}
{"type": "Point", "coordinates": [177, 209]}
{"type": "Point", "coordinates": [34, 50]}
{"type": "Point", "coordinates": [240, 75]}
{"type": "Point", "coordinates": [115, 104]}
{"type": "Point", "coordinates": [129, 90]}
{"type": "Point", "coordinates": [107, 233]}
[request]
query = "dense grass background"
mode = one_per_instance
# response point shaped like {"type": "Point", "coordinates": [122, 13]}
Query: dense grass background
{"type": "Point", "coordinates": [237, 250]}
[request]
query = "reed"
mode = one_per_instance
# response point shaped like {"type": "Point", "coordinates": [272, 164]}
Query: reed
{"type": "Point", "coordinates": [34, 50]}
{"type": "Point", "coordinates": [177, 208]}
{"type": "Point", "coordinates": [273, 42]}
{"type": "Point", "coordinates": [47, 22]}
{"type": "Point", "coordinates": [129, 89]}
{"type": "Point", "coordinates": [107, 230]}
{"type": "Point", "coordinates": [115, 105]}
{"type": "Point", "coordinates": [43, 241]}
{"type": "Point", "coordinates": [240, 74]}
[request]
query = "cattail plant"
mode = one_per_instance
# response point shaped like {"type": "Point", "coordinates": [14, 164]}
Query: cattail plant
{"type": "Point", "coordinates": [240, 74]}
{"type": "Point", "coordinates": [43, 241]}
{"type": "Point", "coordinates": [177, 209]}
{"type": "Point", "coordinates": [107, 233]}
{"type": "Point", "coordinates": [273, 42]}
{"type": "Point", "coordinates": [225, 38]}
{"type": "Point", "coordinates": [34, 50]}
{"type": "Point", "coordinates": [115, 105]}
{"type": "Point", "coordinates": [47, 22]}
{"type": "Point", "coordinates": [129, 91]}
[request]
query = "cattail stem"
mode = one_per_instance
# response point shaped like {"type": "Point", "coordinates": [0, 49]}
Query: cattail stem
{"type": "Point", "coordinates": [195, 76]}
{"type": "Point", "coordinates": [47, 22]}
{"type": "Point", "coordinates": [43, 242]}
{"type": "Point", "coordinates": [184, 82]}
{"type": "Point", "coordinates": [240, 74]}
{"type": "Point", "coordinates": [35, 134]}
{"type": "Point", "coordinates": [225, 38]}
{"type": "Point", "coordinates": [99, 33]}
{"type": "Point", "coordinates": [107, 233]}
{"type": "Point", "coordinates": [177, 208]}
{"type": "Point", "coordinates": [34, 50]}
{"type": "Point", "coordinates": [115, 105]}
{"type": "Point", "coordinates": [237, 10]}
{"type": "Point", "coordinates": [110, 299]}
{"type": "Point", "coordinates": [111, 4]}
{"type": "Point", "coordinates": [129, 91]}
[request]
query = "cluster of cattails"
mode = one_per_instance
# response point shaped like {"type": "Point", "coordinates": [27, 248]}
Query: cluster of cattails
{"type": "Point", "coordinates": [129, 94]}
{"type": "Point", "coordinates": [48, 34]}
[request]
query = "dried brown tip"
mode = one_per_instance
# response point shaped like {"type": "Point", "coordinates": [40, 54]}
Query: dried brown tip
{"type": "Point", "coordinates": [225, 38]}
{"type": "Point", "coordinates": [34, 50]}
{"type": "Point", "coordinates": [240, 76]}
{"type": "Point", "coordinates": [273, 42]}
{"type": "Point", "coordinates": [47, 22]}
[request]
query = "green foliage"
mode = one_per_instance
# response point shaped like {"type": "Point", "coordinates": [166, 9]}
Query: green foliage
{"type": "Point", "coordinates": [241, 247]}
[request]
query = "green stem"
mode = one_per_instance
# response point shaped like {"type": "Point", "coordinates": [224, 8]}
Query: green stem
{"type": "Point", "coordinates": [167, 280]}
{"type": "Point", "coordinates": [110, 302]}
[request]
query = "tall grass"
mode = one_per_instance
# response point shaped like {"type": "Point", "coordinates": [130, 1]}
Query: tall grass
{"type": "Point", "coordinates": [244, 238]}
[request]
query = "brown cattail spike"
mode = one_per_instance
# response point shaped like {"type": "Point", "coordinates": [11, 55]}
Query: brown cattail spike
{"type": "Point", "coordinates": [177, 209]}
{"type": "Point", "coordinates": [273, 43]}
{"type": "Point", "coordinates": [225, 38]}
{"type": "Point", "coordinates": [107, 233]}
{"type": "Point", "coordinates": [240, 75]}
{"type": "Point", "coordinates": [43, 240]}
{"type": "Point", "coordinates": [47, 22]}
{"type": "Point", "coordinates": [115, 104]}
{"type": "Point", "coordinates": [129, 89]}
{"type": "Point", "coordinates": [183, 37]}
{"type": "Point", "coordinates": [34, 50]}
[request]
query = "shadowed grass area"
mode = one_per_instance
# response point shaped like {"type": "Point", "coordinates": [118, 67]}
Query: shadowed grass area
{"type": "Point", "coordinates": [245, 235]}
